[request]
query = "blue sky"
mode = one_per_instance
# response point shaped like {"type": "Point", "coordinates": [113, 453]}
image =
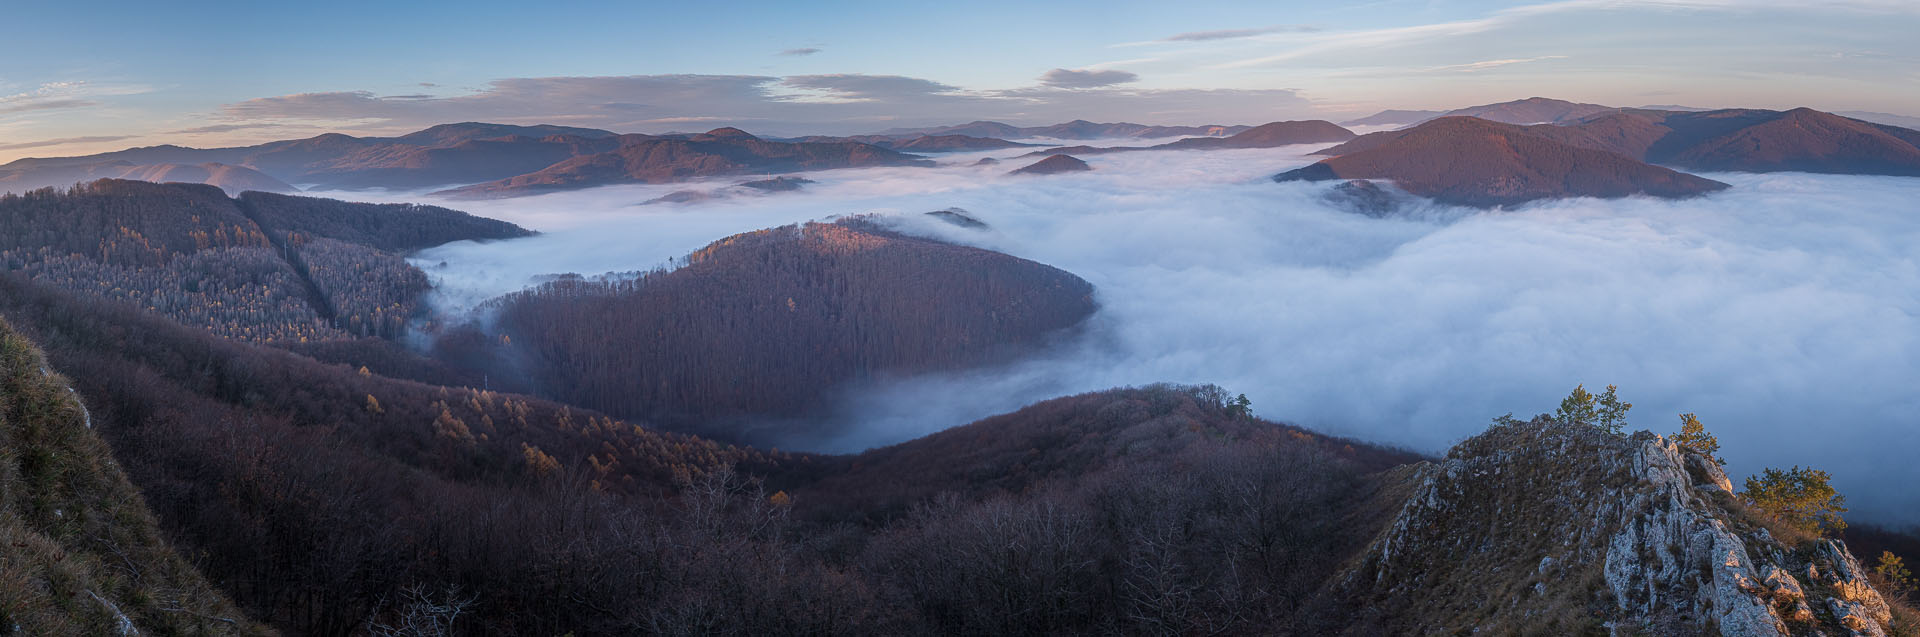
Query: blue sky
{"type": "Point", "coordinates": [107, 75]}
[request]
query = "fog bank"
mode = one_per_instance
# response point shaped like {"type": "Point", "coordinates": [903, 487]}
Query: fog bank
{"type": "Point", "coordinates": [1783, 311]}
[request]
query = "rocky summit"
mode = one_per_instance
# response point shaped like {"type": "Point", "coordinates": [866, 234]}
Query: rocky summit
{"type": "Point", "coordinates": [1570, 529]}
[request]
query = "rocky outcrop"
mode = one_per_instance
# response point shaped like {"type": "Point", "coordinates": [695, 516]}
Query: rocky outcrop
{"type": "Point", "coordinates": [1568, 527]}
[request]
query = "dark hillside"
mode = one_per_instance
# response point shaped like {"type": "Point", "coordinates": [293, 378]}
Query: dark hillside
{"type": "Point", "coordinates": [395, 228]}
{"type": "Point", "coordinates": [1063, 439]}
{"type": "Point", "coordinates": [311, 492]}
{"type": "Point", "coordinates": [765, 323]}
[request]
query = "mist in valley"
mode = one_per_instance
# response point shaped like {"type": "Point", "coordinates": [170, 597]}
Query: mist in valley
{"type": "Point", "coordinates": [1782, 311]}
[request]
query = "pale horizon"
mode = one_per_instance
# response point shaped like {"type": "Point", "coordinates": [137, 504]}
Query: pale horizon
{"type": "Point", "coordinates": [219, 74]}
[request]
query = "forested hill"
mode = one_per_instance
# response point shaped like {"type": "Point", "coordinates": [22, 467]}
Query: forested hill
{"type": "Point", "coordinates": [767, 323]}
{"type": "Point", "coordinates": [263, 268]}
{"type": "Point", "coordinates": [316, 494]}
{"type": "Point", "coordinates": [83, 555]}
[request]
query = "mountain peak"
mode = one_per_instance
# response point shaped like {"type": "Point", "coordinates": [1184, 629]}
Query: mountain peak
{"type": "Point", "coordinates": [730, 132]}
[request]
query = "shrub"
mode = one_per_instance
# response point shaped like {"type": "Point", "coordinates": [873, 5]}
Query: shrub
{"type": "Point", "coordinates": [1800, 498]}
{"type": "Point", "coordinates": [1584, 408]}
{"type": "Point", "coordinates": [1694, 436]}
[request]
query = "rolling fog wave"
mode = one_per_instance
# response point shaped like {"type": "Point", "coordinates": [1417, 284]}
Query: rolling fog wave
{"type": "Point", "coordinates": [1782, 311]}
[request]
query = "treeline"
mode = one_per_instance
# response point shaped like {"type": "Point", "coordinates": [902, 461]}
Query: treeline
{"type": "Point", "coordinates": [264, 268]}
{"type": "Point", "coordinates": [765, 323]}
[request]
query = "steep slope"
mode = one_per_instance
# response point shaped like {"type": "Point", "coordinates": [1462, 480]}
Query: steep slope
{"type": "Point", "coordinates": [1539, 527]}
{"type": "Point", "coordinates": [764, 324]}
{"type": "Point", "coordinates": [1474, 162]}
{"type": "Point", "coordinates": [723, 151]}
{"type": "Point", "coordinates": [83, 554]}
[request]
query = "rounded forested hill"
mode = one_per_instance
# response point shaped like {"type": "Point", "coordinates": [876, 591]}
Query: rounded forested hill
{"type": "Point", "coordinates": [1474, 162]}
{"type": "Point", "coordinates": [765, 323]}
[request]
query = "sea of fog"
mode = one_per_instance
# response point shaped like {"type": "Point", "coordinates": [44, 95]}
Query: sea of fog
{"type": "Point", "coordinates": [1782, 311]}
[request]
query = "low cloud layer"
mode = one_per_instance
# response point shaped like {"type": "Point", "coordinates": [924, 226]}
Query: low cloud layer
{"type": "Point", "coordinates": [799, 104]}
{"type": "Point", "coordinates": [1785, 312]}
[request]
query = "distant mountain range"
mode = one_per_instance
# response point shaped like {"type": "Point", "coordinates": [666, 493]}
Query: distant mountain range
{"type": "Point", "coordinates": [233, 179]}
{"type": "Point", "coordinates": [474, 159]}
{"type": "Point", "coordinates": [1270, 135]}
{"type": "Point", "coordinates": [641, 159]}
{"type": "Point", "coordinates": [1393, 117]}
{"type": "Point", "coordinates": [918, 143]}
{"type": "Point", "coordinates": [1076, 129]}
{"type": "Point", "coordinates": [1532, 110]}
{"type": "Point", "coordinates": [482, 159]}
{"type": "Point", "coordinates": [1477, 162]}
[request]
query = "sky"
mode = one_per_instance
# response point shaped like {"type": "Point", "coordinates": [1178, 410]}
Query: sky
{"type": "Point", "coordinates": [88, 77]}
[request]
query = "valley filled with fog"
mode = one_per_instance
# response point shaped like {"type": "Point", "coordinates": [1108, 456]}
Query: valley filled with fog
{"type": "Point", "coordinates": [1782, 311]}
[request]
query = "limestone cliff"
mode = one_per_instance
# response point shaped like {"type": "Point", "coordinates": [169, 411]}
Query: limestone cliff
{"type": "Point", "coordinates": [1545, 528]}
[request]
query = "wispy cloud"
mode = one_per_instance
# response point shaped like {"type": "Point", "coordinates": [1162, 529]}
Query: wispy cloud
{"type": "Point", "coordinates": [23, 106]}
{"type": "Point", "coordinates": [1234, 34]}
{"type": "Point", "coordinates": [799, 104]}
{"type": "Point", "coordinates": [1070, 78]}
{"type": "Point", "coordinates": [1492, 64]}
{"type": "Point", "coordinates": [95, 139]}
{"type": "Point", "coordinates": [800, 51]}
{"type": "Point", "coordinates": [1323, 43]}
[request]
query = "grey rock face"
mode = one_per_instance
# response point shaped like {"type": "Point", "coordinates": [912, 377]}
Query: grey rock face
{"type": "Point", "coordinates": [1633, 533]}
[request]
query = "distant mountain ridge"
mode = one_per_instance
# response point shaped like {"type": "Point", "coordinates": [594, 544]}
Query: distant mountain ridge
{"type": "Point", "coordinates": [447, 154]}
{"type": "Point", "coordinates": [1532, 110]}
{"type": "Point", "coordinates": [642, 159]}
{"type": "Point", "coordinates": [1269, 135]}
{"type": "Point", "coordinates": [1739, 140]}
{"type": "Point", "coordinates": [1076, 129]}
{"type": "Point", "coordinates": [232, 179]}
